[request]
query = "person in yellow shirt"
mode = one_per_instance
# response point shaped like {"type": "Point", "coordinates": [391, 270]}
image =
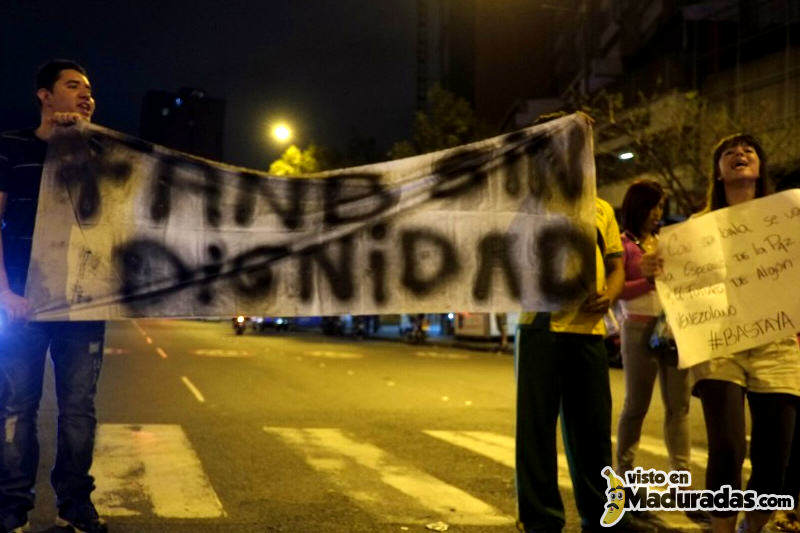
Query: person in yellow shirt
{"type": "Point", "coordinates": [562, 366]}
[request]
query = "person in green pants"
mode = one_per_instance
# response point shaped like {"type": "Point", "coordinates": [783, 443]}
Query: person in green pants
{"type": "Point", "coordinates": [562, 367]}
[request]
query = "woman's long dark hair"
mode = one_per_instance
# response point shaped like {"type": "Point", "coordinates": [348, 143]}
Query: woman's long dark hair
{"type": "Point", "coordinates": [716, 189]}
{"type": "Point", "coordinates": [640, 198]}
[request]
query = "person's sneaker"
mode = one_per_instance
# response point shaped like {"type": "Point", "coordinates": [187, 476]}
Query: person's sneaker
{"type": "Point", "coordinates": [634, 523]}
{"type": "Point", "coordinates": [630, 523]}
{"type": "Point", "coordinates": [698, 515]}
{"type": "Point", "coordinates": [785, 522]}
{"type": "Point", "coordinates": [22, 529]}
{"type": "Point", "coordinates": [81, 518]}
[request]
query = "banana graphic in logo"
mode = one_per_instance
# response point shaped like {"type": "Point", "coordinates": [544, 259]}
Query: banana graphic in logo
{"type": "Point", "coordinates": [615, 507]}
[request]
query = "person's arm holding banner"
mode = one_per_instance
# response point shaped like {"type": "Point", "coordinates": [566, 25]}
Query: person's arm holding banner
{"type": "Point", "coordinates": [15, 306]}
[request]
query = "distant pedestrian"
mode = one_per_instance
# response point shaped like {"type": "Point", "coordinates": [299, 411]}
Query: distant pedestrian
{"type": "Point", "coordinates": [501, 320]}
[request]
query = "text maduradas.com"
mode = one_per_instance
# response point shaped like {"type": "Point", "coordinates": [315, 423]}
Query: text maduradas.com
{"type": "Point", "coordinates": [651, 497]}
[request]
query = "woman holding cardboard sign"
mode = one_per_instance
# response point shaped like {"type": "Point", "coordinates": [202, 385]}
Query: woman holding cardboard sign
{"type": "Point", "coordinates": [642, 210]}
{"type": "Point", "coordinates": [768, 375]}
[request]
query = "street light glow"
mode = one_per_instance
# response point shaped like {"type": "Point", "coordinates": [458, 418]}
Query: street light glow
{"type": "Point", "coordinates": [281, 132]}
{"type": "Point", "coordinates": [625, 155]}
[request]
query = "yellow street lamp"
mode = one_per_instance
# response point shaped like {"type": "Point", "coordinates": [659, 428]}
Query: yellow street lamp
{"type": "Point", "coordinates": [281, 132]}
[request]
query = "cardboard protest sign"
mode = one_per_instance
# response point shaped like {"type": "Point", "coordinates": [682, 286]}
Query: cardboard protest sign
{"type": "Point", "coordinates": [731, 276]}
{"type": "Point", "coordinates": [126, 228]}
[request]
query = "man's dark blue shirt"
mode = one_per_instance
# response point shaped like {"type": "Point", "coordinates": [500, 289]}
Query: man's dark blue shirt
{"type": "Point", "coordinates": [22, 156]}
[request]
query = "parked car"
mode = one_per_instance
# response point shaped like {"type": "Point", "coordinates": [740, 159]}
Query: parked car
{"type": "Point", "coordinates": [264, 323]}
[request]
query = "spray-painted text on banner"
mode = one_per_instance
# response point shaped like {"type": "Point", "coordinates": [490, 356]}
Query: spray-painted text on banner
{"type": "Point", "coordinates": [126, 228]}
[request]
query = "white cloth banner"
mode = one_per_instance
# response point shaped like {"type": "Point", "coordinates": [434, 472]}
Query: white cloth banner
{"type": "Point", "coordinates": [731, 276]}
{"type": "Point", "coordinates": [130, 229]}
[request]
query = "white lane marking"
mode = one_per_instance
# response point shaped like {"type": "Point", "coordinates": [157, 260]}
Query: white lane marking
{"type": "Point", "coordinates": [335, 355]}
{"type": "Point", "coordinates": [161, 352]}
{"type": "Point", "coordinates": [150, 467]}
{"type": "Point", "coordinates": [222, 353]}
{"type": "Point", "coordinates": [441, 355]}
{"type": "Point", "coordinates": [149, 340]}
{"type": "Point", "coordinates": [362, 471]}
{"type": "Point", "coordinates": [114, 351]}
{"type": "Point", "coordinates": [194, 390]}
{"type": "Point", "coordinates": [137, 326]}
{"type": "Point", "coordinates": [657, 447]}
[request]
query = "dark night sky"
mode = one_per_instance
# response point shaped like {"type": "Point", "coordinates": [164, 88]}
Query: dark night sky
{"type": "Point", "coordinates": [333, 68]}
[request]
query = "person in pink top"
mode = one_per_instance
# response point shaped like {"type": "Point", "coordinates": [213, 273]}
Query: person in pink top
{"type": "Point", "coordinates": [642, 210]}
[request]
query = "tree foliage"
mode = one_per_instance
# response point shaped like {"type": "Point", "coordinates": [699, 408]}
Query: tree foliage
{"type": "Point", "coordinates": [672, 136]}
{"type": "Point", "coordinates": [448, 120]}
{"type": "Point", "coordinates": [662, 133]}
{"type": "Point", "coordinates": [295, 161]}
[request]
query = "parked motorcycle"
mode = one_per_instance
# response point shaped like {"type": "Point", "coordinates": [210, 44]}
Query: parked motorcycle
{"type": "Point", "coordinates": [419, 330]}
{"type": "Point", "coordinates": [239, 324]}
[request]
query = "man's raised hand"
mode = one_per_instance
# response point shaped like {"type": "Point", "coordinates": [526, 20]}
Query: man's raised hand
{"type": "Point", "coordinates": [66, 119]}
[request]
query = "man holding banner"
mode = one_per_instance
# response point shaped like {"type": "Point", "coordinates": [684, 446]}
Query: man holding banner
{"type": "Point", "coordinates": [65, 97]}
{"type": "Point", "coordinates": [562, 366]}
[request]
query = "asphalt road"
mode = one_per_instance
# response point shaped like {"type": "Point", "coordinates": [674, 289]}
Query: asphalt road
{"type": "Point", "coordinates": [204, 431]}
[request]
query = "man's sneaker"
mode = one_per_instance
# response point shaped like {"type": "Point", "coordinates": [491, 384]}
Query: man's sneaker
{"type": "Point", "coordinates": [698, 515]}
{"type": "Point", "coordinates": [22, 529]}
{"type": "Point", "coordinates": [630, 523]}
{"type": "Point", "coordinates": [81, 518]}
{"type": "Point", "coordinates": [633, 523]}
{"type": "Point", "coordinates": [785, 522]}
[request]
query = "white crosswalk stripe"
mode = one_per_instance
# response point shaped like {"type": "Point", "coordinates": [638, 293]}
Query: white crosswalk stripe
{"type": "Point", "coordinates": [500, 448]}
{"type": "Point", "coordinates": [151, 468]}
{"type": "Point", "coordinates": [389, 488]}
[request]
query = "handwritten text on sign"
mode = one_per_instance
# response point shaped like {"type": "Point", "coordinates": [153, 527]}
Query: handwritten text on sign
{"type": "Point", "coordinates": [730, 277]}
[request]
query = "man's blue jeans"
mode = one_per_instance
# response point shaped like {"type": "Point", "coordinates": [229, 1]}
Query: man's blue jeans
{"type": "Point", "coordinates": [76, 349]}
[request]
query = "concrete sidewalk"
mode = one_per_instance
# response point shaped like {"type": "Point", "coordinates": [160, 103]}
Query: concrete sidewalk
{"type": "Point", "coordinates": [392, 333]}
